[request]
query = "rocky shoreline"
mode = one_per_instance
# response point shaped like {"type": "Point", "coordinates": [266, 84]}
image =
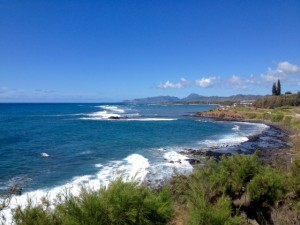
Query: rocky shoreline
{"type": "Point", "coordinates": [273, 145]}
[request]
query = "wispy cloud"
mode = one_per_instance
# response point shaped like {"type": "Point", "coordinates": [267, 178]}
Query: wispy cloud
{"type": "Point", "coordinates": [236, 82]}
{"type": "Point", "coordinates": [41, 95]}
{"type": "Point", "coordinates": [205, 82]}
{"type": "Point", "coordinates": [284, 71]}
{"type": "Point", "coordinates": [169, 85]}
{"type": "Point", "coordinates": [252, 80]}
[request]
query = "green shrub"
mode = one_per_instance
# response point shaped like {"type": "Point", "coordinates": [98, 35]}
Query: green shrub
{"type": "Point", "coordinates": [209, 187]}
{"type": "Point", "coordinates": [285, 107]}
{"type": "Point", "coordinates": [267, 116]}
{"type": "Point", "coordinates": [277, 117]}
{"type": "Point", "coordinates": [251, 115]}
{"type": "Point", "coordinates": [297, 205]}
{"type": "Point", "coordinates": [230, 176]}
{"type": "Point", "coordinates": [287, 120]}
{"type": "Point", "coordinates": [120, 203]}
{"type": "Point", "coordinates": [178, 186]}
{"type": "Point", "coordinates": [266, 187]}
{"type": "Point", "coordinates": [296, 175]}
{"type": "Point", "coordinates": [35, 215]}
{"type": "Point", "coordinates": [259, 116]}
{"type": "Point", "coordinates": [203, 212]}
{"type": "Point", "coordinates": [238, 171]}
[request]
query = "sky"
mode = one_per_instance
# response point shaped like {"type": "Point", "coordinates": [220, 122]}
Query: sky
{"type": "Point", "coordinates": [107, 51]}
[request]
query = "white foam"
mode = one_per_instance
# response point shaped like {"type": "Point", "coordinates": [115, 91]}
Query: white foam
{"type": "Point", "coordinates": [259, 125]}
{"type": "Point", "coordinates": [132, 115]}
{"type": "Point", "coordinates": [44, 154]}
{"type": "Point", "coordinates": [102, 115]}
{"type": "Point", "coordinates": [252, 129]}
{"type": "Point", "coordinates": [133, 167]}
{"type": "Point", "coordinates": [151, 119]}
{"type": "Point", "coordinates": [87, 152]}
{"type": "Point", "coordinates": [236, 127]}
{"type": "Point", "coordinates": [108, 112]}
{"type": "Point", "coordinates": [173, 163]}
{"type": "Point", "coordinates": [136, 167]}
{"type": "Point", "coordinates": [224, 142]}
{"type": "Point", "coordinates": [177, 159]}
{"type": "Point", "coordinates": [112, 108]}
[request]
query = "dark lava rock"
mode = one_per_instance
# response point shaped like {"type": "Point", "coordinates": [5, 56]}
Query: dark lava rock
{"type": "Point", "coordinates": [193, 161]}
{"type": "Point", "coordinates": [114, 118]}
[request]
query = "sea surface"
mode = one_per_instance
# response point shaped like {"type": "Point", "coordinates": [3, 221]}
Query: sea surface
{"type": "Point", "coordinates": [45, 148]}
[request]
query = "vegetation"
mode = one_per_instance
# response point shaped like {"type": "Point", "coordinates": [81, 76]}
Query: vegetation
{"type": "Point", "coordinates": [216, 191]}
{"type": "Point", "coordinates": [278, 100]}
{"type": "Point", "coordinates": [287, 115]}
{"type": "Point", "coordinates": [272, 102]}
{"type": "Point", "coordinates": [276, 90]}
{"type": "Point", "coordinates": [120, 203]}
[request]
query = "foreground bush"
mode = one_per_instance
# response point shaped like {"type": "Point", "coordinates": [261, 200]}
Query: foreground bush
{"type": "Point", "coordinates": [218, 192]}
{"type": "Point", "coordinates": [120, 203]}
{"type": "Point", "coordinates": [266, 187]}
{"type": "Point", "coordinates": [202, 212]}
{"type": "Point", "coordinates": [296, 175]}
{"type": "Point", "coordinates": [238, 171]}
{"type": "Point", "coordinates": [35, 214]}
{"type": "Point", "coordinates": [211, 188]}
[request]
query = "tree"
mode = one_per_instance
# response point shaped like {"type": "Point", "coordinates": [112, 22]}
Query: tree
{"type": "Point", "coordinates": [274, 89]}
{"type": "Point", "coordinates": [278, 87]}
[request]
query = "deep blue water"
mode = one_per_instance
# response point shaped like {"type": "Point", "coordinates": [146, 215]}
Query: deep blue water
{"type": "Point", "coordinates": [50, 144]}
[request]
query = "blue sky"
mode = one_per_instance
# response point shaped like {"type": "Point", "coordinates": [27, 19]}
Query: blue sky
{"type": "Point", "coordinates": [91, 51]}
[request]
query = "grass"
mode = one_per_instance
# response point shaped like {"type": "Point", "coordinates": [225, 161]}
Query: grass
{"type": "Point", "coordinates": [278, 117]}
{"type": "Point", "coordinates": [287, 115]}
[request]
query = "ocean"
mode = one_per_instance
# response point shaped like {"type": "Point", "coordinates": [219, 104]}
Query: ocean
{"type": "Point", "coordinates": [46, 148]}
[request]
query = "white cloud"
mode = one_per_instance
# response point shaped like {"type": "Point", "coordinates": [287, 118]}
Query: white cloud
{"type": "Point", "coordinates": [236, 83]}
{"type": "Point", "coordinates": [205, 82]}
{"type": "Point", "coordinates": [252, 80]}
{"type": "Point", "coordinates": [282, 72]}
{"type": "Point", "coordinates": [288, 68]}
{"type": "Point", "coordinates": [169, 85]}
{"type": "Point", "coordinates": [184, 82]}
{"type": "Point", "coordinates": [273, 75]}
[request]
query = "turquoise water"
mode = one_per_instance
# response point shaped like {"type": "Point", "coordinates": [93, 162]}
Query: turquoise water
{"type": "Point", "coordinates": [51, 145]}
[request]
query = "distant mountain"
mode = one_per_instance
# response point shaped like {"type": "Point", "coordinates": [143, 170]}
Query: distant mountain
{"type": "Point", "coordinates": [213, 99]}
{"type": "Point", "coordinates": [193, 98]}
{"type": "Point", "coordinates": [153, 100]}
